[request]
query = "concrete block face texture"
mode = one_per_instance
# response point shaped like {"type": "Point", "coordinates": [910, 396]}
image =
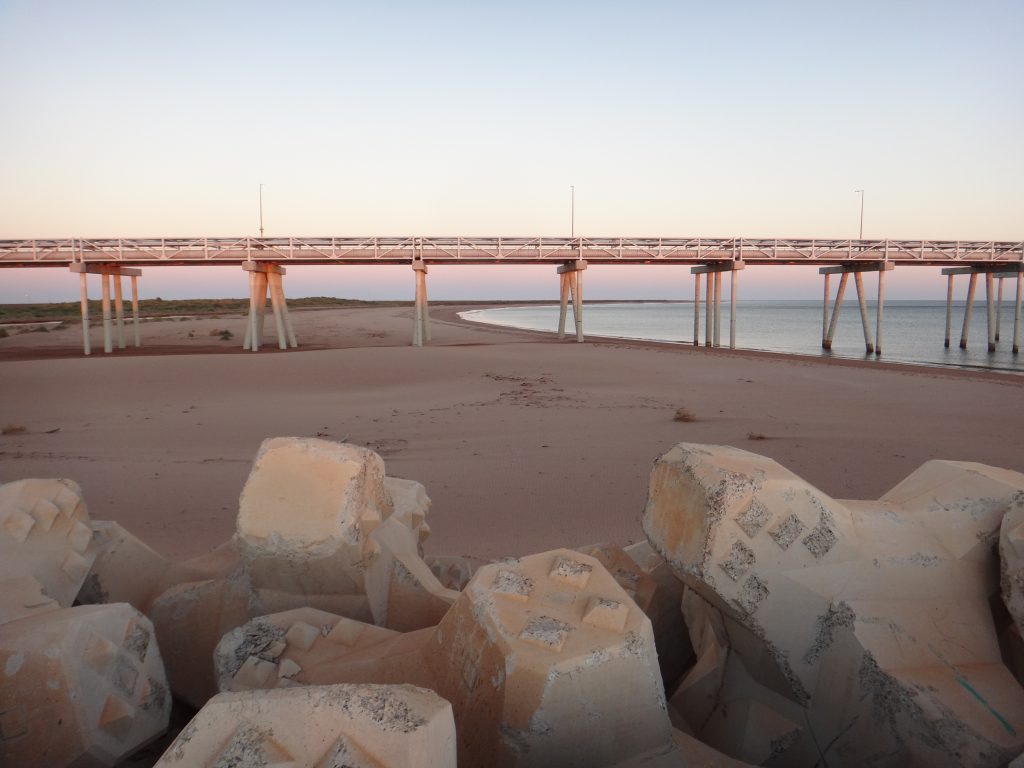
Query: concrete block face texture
{"type": "Point", "coordinates": [21, 597]}
{"type": "Point", "coordinates": [125, 570]}
{"type": "Point", "coordinates": [189, 620]}
{"type": "Point", "coordinates": [45, 533]}
{"type": "Point", "coordinates": [854, 632]}
{"type": "Point", "coordinates": [81, 686]}
{"type": "Point", "coordinates": [657, 591]}
{"type": "Point", "coordinates": [310, 499]}
{"type": "Point", "coordinates": [1011, 564]}
{"type": "Point", "coordinates": [298, 647]}
{"type": "Point", "coordinates": [362, 726]}
{"type": "Point", "coordinates": [547, 661]}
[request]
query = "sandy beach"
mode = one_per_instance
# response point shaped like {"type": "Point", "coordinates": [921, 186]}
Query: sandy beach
{"type": "Point", "coordinates": [523, 442]}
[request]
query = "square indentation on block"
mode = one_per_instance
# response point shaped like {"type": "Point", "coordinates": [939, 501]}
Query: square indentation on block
{"type": "Point", "coordinates": [19, 524]}
{"type": "Point", "coordinates": [821, 538]}
{"type": "Point", "coordinates": [741, 557]}
{"type": "Point", "coordinates": [558, 599]}
{"type": "Point", "coordinates": [346, 632]}
{"type": "Point", "coordinates": [571, 572]}
{"type": "Point", "coordinates": [754, 518]}
{"type": "Point", "coordinates": [752, 594]}
{"type": "Point", "coordinates": [512, 584]}
{"type": "Point", "coordinates": [255, 673]}
{"type": "Point", "coordinates": [302, 635]}
{"type": "Point", "coordinates": [546, 632]}
{"type": "Point", "coordinates": [79, 536]}
{"type": "Point", "coordinates": [45, 512]}
{"type": "Point", "coordinates": [75, 566]}
{"type": "Point", "coordinates": [607, 614]}
{"type": "Point", "coordinates": [788, 531]}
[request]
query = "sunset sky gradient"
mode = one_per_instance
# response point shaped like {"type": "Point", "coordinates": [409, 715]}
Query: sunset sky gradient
{"type": "Point", "coordinates": [121, 119]}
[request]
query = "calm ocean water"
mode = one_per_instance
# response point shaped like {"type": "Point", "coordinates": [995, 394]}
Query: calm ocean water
{"type": "Point", "coordinates": [912, 330]}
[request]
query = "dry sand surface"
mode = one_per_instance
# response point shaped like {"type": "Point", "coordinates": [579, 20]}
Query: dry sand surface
{"type": "Point", "coordinates": [524, 443]}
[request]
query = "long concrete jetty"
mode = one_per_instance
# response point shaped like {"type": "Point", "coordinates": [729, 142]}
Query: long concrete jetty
{"type": "Point", "coordinates": [263, 258]}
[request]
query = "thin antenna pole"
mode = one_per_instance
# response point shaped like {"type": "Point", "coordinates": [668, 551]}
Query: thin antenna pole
{"type": "Point", "coordinates": [572, 212]}
{"type": "Point", "coordinates": [861, 191]}
{"type": "Point", "coordinates": [261, 211]}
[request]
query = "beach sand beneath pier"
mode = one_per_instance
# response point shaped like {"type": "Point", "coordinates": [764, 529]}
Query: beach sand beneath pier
{"type": "Point", "coordinates": [523, 442]}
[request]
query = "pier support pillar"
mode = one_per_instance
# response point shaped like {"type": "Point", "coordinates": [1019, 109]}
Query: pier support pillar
{"type": "Point", "coordinates": [264, 279]}
{"type": "Point", "coordinates": [696, 310]}
{"type": "Point", "coordinates": [712, 273]}
{"type": "Point", "coordinates": [110, 274]}
{"type": "Point", "coordinates": [1016, 314]}
{"type": "Point", "coordinates": [421, 310]}
{"type": "Point", "coordinates": [571, 277]}
{"type": "Point", "coordinates": [992, 272]}
{"type": "Point", "coordinates": [857, 269]}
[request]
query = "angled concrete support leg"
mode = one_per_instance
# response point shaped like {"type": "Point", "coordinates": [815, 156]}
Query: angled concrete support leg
{"type": "Point", "coordinates": [571, 273]}
{"type": "Point", "coordinates": [972, 286]}
{"type": "Point", "coordinates": [858, 280]}
{"type": "Point", "coordinates": [266, 279]}
{"type": "Point", "coordinates": [879, 312]}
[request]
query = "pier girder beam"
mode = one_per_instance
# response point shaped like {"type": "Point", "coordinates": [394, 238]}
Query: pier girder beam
{"type": "Point", "coordinates": [992, 272]}
{"type": "Point", "coordinates": [265, 279]}
{"type": "Point", "coordinates": [108, 273]}
{"type": "Point", "coordinates": [713, 301]}
{"type": "Point", "coordinates": [571, 279]}
{"type": "Point", "coordinates": [829, 324]}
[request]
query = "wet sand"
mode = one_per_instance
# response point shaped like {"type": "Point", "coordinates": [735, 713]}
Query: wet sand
{"type": "Point", "coordinates": [523, 442]}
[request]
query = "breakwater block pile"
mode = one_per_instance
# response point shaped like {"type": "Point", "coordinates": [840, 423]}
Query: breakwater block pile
{"type": "Point", "coordinates": [761, 623]}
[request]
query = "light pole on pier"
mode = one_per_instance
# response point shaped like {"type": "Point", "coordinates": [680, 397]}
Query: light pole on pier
{"type": "Point", "coordinates": [861, 192]}
{"type": "Point", "coordinates": [261, 211]}
{"type": "Point", "coordinates": [572, 211]}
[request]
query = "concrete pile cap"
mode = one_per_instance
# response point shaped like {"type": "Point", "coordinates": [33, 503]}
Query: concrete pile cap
{"type": "Point", "coordinates": [363, 726]}
{"type": "Point", "coordinates": [546, 661]}
{"type": "Point", "coordinates": [307, 497]}
{"type": "Point", "coordinates": [45, 533]}
{"type": "Point", "coordinates": [82, 686]}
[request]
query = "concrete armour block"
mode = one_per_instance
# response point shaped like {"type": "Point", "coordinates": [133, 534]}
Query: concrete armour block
{"type": "Point", "coordinates": [311, 499]}
{"type": "Point", "coordinates": [1011, 564]}
{"type": "Point", "coordinates": [411, 505]}
{"type": "Point", "coordinates": [404, 593]}
{"type": "Point", "coordinates": [362, 726]}
{"type": "Point", "coordinates": [861, 625]}
{"type": "Point", "coordinates": [452, 571]}
{"type": "Point", "coordinates": [45, 533]}
{"type": "Point", "coordinates": [311, 640]}
{"type": "Point", "coordinates": [190, 619]}
{"type": "Point", "coordinates": [22, 597]}
{"type": "Point", "coordinates": [658, 593]}
{"type": "Point", "coordinates": [126, 570]}
{"type": "Point", "coordinates": [547, 661]}
{"type": "Point", "coordinates": [81, 686]}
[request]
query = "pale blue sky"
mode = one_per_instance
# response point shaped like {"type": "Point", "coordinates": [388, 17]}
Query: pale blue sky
{"type": "Point", "coordinates": [703, 119]}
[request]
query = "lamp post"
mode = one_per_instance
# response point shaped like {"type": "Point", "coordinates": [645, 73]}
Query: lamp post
{"type": "Point", "coordinates": [572, 211]}
{"type": "Point", "coordinates": [861, 192]}
{"type": "Point", "coordinates": [261, 211]}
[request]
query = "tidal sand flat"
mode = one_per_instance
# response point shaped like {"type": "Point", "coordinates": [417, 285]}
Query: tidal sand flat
{"type": "Point", "coordinates": [524, 443]}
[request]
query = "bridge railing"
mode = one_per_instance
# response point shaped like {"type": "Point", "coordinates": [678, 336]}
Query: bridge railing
{"type": "Point", "coordinates": [484, 250]}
